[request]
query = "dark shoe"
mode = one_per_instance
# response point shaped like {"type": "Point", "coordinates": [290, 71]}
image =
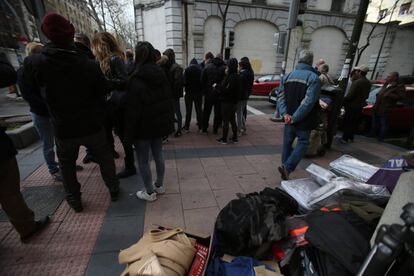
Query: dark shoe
{"type": "Point", "coordinates": [234, 140]}
{"type": "Point", "coordinates": [222, 141]}
{"type": "Point", "coordinates": [89, 158]}
{"type": "Point", "coordinates": [277, 120]}
{"type": "Point", "coordinates": [39, 226]}
{"type": "Point", "coordinates": [186, 129]}
{"type": "Point", "coordinates": [114, 195]}
{"type": "Point", "coordinates": [76, 205]}
{"type": "Point", "coordinates": [126, 173]}
{"type": "Point", "coordinates": [284, 174]}
{"type": "Point", "coordinates": [57, 176]}
{"type": "Point", "coordinates": [343, 142]}
{"type": "Point", "coordinates": [79, 168]}
{"type": "Point", "coordinates": [115, 154]}
{"type": "Point", "coordinates": [178, 133]}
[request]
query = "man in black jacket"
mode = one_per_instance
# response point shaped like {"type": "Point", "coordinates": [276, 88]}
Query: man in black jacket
{"type": "Point", "coordinates": [354, 101]}
{"type": "Point", "coordinates": [212, 73]}
{"type": "Point", "coordinates": [175, 78]}
{"type": "Point", "coordinates": [74, 88]}
{"type": "Point", "coordinates": [193, 93]}
{"type": "Point", "coordinates": [11, 199]}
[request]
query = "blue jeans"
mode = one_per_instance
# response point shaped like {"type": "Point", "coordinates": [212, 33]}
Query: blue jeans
{"type": "Point", "coordinates": [291, 157]}
{"type": "Point", "coordinates": [380, 123]}
{"type": "Point", "coordinates": [142, 148]}
{"type": "Point", "coordinates": [45, 130]}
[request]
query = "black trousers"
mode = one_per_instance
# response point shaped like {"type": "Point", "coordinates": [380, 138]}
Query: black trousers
{"type": "Point", "coordinates": [228, 111]}
{"type": "Point", "coordinates": [197, 99]}
{"type": "Point", "coordinates": [351, 120]}
{"type": "Point", "coordinates": [67, 152]}
{"type": "Point", "coordinates": [11, 199]}
{"type": "Point", "coordinates": [210, 102]}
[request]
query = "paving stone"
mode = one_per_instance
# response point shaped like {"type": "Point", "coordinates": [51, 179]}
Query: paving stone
{"type": "Point", "coordinates": [190, 168]}
{"type": "Point", "coordinates": [196, 193]}
{"type": "Point", "coordinates": [220, 177]}
{"type": "Point", "coordinates": [225, 196]}
{"type": "Point", "coordinates": [98, 265]}
{"type": "Point", "coordinates": [167, 210]}
{"type": "Point", "coordinates": [127, 205]}
{"type": "Point", "coordinates": [251, 183]}
{"type": "Point", "coordinates": [239, 165]}
{"type": "Point", "coordinates": [212, 162]}
{"type": "Point", "coordinates": [201, 220]}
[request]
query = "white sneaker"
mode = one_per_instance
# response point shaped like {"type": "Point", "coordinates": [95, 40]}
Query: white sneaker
{"type": "Point", "coordinates": [159, 190]}
{"type": "Point", "coordinates": [145, 196]}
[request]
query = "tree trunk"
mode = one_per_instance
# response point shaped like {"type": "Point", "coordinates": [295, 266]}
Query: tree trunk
{"type": "Point", "coordinates": [223, 26]}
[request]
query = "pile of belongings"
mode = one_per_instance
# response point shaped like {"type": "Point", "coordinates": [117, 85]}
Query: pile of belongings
{"type": "Point", "coordinates": [346, 181]}
{"type": "Point", "coordinates": [160, 252]}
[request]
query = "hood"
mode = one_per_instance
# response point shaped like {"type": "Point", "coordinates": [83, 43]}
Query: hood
{"type": "Point", "coordinates": [218, 62]}
{"type": "Point", "coordinates": [150, 72]}
{"type": "Point", "coordinates": [84, 49]}
{"type": "Point", "coordinates": [304, 66]}
{"type": "Point", "coordinates": [61, 58]}
{"type": "Point", "coordinates": [193, 61]}
{"type": "Point", "coordinates": [163, 60]}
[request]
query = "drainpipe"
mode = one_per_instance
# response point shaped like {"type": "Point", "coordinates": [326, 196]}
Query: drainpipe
{"type": "Point", "coordinates": [185, 44]}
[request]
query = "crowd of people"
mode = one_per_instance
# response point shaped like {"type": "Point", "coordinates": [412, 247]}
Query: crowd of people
{"type": "Point", "coordinates": [82, 91]}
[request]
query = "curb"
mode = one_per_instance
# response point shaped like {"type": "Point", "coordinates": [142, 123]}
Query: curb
{"type": "Point", "coordinates": [23, 136]}
{"type": "Point", "coordinates": [258, 98]}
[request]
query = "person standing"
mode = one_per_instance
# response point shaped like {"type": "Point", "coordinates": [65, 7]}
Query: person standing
{"type": "Point", "coordinates": [11, 200]}
{"type": "Point", "coordinates": [354, 101]}
{"type": "Point", "coordinates": [40, 115]}
{"type": "Point", "coordinates": [324, 76]}
{"type": "Point", "coordinates": [130, 63]}
{"type": "Point", "coordinates": [213, 73]}
{"type": "Point", "coordinates": [298, 105]}
{"type": "Point", "coordinates": [207, 58]}
{"type": "Point", "coordinates": [175, 77]}
{"type": "Point", "coordinates": [391, 92]}
{"type": "Point", "coordinates": [150, 113]}
{"type": "Point", "coordinates": [110, 58]}
{"type": "Point", "coordinates": [193, 94]}
{"type": "Point", "coordinates": [229, 94]}
{"type": "Point", "coordinates": [247, 79]}
{"type": "Point", "coordinates": [74, 89]}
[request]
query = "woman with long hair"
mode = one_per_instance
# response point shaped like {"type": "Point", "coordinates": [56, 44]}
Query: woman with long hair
{"type": "Point", "coordinates": [229, 94]}
{"type": "Point", "coordinates": [111, 60]}
{"type": "Point", "coordinates": [150, 112]}
{"type": "Point", "coordinates": [247, 78]}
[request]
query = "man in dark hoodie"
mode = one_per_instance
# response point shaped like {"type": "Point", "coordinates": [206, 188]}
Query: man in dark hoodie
{"type": "Point", "coordinates": [193, 94]}
{"type": "Point", "coordinates": [74, 88]}
{"type": "Point", "coordinates": [212, 73]}
{"type": "Point", "coordinates": [11, 199]}
{"type": "Point", "coordinates": [175, 77]}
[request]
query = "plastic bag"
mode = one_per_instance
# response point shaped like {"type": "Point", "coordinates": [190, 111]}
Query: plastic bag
{"type": "Point", "coordinates": [353, 168]}
{"type": "Point", "coordinates": [319, 174]}
{"type": "Point", "coordinates": [300, 190]}
{"type": "Point", "coordinates": [341, 188]}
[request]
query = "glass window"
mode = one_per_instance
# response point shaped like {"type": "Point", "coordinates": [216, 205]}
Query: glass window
{"type": "Point", "coordinates": [373, 95]}
{"type": "Point", "coordinates": [266, 78]}
{"type": "Point", "coordinates": [405, 9]}
{"type": "Point", "coordinates": [276, 78]}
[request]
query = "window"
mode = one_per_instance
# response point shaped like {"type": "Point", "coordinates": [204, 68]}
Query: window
{"type": "Point", "coordinates": [337, 6]}
{"type": "Point", "coordinates": [382, 14]}
{"type": "Point", "coordinates": [259, 2]}
{"type": "Point", "coordinates": [405, 9]}
{"type": "Point", "coordinates": [266, 78]}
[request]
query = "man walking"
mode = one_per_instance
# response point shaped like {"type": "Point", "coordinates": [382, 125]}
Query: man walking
{"type": "Point", "coordinates": [354, 101]}
{"type": "Point", "coordinates": [298, 105]}
{"type": "Point", "coordinates": [387, 98]}
{"type": "Point", "coordinates": [74, 88]}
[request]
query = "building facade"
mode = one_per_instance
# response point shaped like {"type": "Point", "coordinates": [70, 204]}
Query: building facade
{"type": "Point", "coordinates": [192, 28]}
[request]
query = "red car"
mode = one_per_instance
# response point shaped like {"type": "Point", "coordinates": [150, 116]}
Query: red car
{"type": "Point", "coordinates": [402, 116]}
{"type": "Point", "coordinates": [264, 84]}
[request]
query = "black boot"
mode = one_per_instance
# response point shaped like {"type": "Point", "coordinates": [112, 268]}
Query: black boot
{"type": "Point", "coordinates": [39, 226]}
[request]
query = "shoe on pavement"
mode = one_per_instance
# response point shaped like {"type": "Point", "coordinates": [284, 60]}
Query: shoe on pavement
{"type": "Point", "coordinates": [276, 120]}
{"type": "Point", "coordinates": [57, 176]}
{"type": "Point", "coordinates": [145, 196]}
{"type": "Point", "coordinates": [284, 174]}
{"type": "Point", "coordinates": [115, 154]}
{"type": "Point", "coordinates": [88, 159]}
{"type": "Point", "coordinates": [165, 140]}
{"type": "Point", "coordinates": [159, 190]}
{"type": "Point", "coordinates": [343, 142]}
{"type": "Point", "coordinates": [39, 226]}
{"type": "Point", "coordinates": [178, 133]}
{"type": "Point", "coordinates": [222, 141]}
{"type": "Point", "coordinates": [76, 205]}
{"type": "Point", "coordinates": [79, 168]}
{"type": "Point", "coordinates": [234, 140]}
{"type": "Point", "coordinates": [126, 173]}
{"type": "Point", "coordinates": [185, 129]}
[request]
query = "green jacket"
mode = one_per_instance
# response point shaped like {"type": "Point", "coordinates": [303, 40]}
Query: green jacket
{"type": "Point", "coordinates": [358, 93]}
{"type": "Point", "coordinates": [388, 97]}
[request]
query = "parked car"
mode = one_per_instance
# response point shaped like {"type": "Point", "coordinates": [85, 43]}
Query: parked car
{"type": "Point", "coordinates": [272, 96]}
{"type": "Point", "coordinates": [264, 84]}
{"type": "Point", "coordinates": [401, 116]}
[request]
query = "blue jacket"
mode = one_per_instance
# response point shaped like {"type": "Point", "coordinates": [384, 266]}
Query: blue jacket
{"type": "Point", "coordinates": [298, 96]}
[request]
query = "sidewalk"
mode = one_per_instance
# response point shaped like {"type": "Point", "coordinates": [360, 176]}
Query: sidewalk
{"type": "Point", "coordinates": [201, 177]}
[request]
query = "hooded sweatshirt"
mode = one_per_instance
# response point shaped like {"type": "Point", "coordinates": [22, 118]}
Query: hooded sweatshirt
{"type": "Point", "coordinates": [73, 86]}
{"type": "Point", "coordinates": [149, 105]}
{"type": "Point", "coordinates": [192, 78]}
{"type": "Point", "coordinates": [213, 73]}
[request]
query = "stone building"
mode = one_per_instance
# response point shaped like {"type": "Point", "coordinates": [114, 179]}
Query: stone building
{"type": "Point", "coordinates": [192, 28]}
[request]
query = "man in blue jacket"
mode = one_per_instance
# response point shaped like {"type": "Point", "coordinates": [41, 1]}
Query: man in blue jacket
{"type": "Point", "coordinates": [298, 105]}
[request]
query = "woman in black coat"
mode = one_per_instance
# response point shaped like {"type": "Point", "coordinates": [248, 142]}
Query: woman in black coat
{"type": "Point", "coordinates": [149, 117]}
{"type": "Point", "coordinates": [229, 94]}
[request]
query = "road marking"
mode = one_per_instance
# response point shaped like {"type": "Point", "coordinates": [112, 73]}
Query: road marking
{"type": "Point", "coordinates": [254, 110]}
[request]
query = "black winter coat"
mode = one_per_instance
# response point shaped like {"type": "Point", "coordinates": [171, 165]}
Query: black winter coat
{"type": "Point", "coordinates": [117, 78]}
{"type": "Point", "coordinates": [174, 73]}
{"type": "Point", "coordinates": [192, 79]}
{"type": "Point", "coordinates": [213, 73]}
{"type": "Point", "coordinates": [230, 89]}
{"type": "Point", "coordinates": [84, 50]}
{"type": "Point", "coordinates": [149, 106]}
{"type": "Point", "coordinates": [247, 79]}
{"type": "Point", "coordinates": [7, 77]}
{"type": "Point", "coordinates": [73, 86]}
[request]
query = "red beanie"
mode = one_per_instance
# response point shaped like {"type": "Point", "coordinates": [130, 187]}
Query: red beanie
{"type": "Point", "coordinates": [58, 29]}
